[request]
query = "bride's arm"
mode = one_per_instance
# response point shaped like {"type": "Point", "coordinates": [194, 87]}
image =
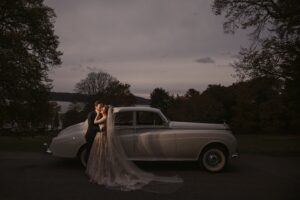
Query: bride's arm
{"type": "Point", "coordinates": [99, 121]}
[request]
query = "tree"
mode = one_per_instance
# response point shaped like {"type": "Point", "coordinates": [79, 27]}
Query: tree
{"type": "Point", "coordinates": [118, 94]}
{"type": "Point", "coordinates": [106, 88]}
{"type": "Point", "coordinates": [161, 99]}
{"type": "Point", "coordinates": [258, 107]}
{"type": "Point", "coordinates": [95, 83]}
{"type": "Point", "coordinates": [177, 109]}
{"type": "Point", "coordinates": [275, 36]}
{"type": "Point", "coordinates": [192, 93]}
{"type": "Point", "coordinates": [275, 50]}
{"type": "Point", "coordinates": [28, 49]}
{"type": "Point", "coordinates": [191, 105]}
{"type": "Point", "coordinates": [30, 115]}
{"type": "Point", "coordinates": [209, 109]}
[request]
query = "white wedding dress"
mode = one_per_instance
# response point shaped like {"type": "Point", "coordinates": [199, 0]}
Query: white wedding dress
{"type": "Point", "coordinates": [108, 165]}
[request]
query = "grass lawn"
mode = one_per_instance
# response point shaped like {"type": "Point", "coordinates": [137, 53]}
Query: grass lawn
{"type": "Point", "coordinates": [269, 144]}
{"type": "Point", "coordinates": [260, 144]}
{"type": "Point", "coordinates": [25, 144]}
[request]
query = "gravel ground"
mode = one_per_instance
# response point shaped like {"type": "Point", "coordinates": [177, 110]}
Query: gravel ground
{"type": "Point", "coordinates": [40, 176]}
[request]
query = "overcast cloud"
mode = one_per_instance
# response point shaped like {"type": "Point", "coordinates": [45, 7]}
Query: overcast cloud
{"type": "Point", "coordinates": [174, 44]}
{"type": "Point", "coordinates": [205, 60]}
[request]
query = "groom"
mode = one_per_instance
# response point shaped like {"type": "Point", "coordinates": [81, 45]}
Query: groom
{"type": "Point", "coordinates": [92, 128]}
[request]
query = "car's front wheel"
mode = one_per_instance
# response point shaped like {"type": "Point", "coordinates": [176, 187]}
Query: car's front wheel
{"type": "Point", "coordinates": [213, 159]}
{"type": "Point", "coordinates": [82, 156]}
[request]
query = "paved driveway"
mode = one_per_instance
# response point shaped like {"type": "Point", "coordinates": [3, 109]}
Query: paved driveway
{"type": "Point", "coordinates": [39, 176]}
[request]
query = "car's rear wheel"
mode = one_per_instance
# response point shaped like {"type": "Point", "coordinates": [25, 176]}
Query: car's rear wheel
{"type": "Point", "coordinates": [82, 156]}
{"type": "Point", "coordinates": [213, 158]}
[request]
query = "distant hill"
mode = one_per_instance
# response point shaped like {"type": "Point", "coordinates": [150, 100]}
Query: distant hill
{"type": "Point", "coordinates": [142, 101]}
{"type": "Point", "coordinates": [68, 97]}
{"type": "Point", "coordinates": [75, 97]}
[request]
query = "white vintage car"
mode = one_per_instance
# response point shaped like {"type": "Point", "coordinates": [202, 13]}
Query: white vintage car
{"type": "Point", "coordinates": [147, 135]}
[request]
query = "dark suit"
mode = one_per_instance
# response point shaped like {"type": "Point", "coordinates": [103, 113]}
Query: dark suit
{"type": "Point", "coordinates": [91, 132]}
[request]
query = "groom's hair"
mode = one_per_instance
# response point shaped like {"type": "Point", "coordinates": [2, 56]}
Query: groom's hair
{"type": "Point", "coordinates": [97, 103]}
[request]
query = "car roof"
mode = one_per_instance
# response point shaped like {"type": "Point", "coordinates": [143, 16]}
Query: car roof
{"type": "Point", "coordinates": [135, 108]}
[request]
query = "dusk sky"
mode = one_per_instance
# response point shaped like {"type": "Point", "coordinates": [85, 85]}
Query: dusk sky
{"type": "Point", "coordinates": [173, 44]}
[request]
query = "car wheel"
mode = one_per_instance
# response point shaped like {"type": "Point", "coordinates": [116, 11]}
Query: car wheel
{"type": "Point", "coordinates": [213, 159]}
{"type": "Point", "coordinates": [82, 156]}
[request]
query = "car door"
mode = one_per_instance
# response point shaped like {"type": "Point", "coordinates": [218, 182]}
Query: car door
{"type": "Point", "coordinates": [124, 127]}
{"type": "Point", "coordinates": [153, 140]}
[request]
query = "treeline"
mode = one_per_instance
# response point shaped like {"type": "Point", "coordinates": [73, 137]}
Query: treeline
{"type": "Point", "coordinates": [270, 101]}
{"type": "Point", "coordinates": [256, 106]}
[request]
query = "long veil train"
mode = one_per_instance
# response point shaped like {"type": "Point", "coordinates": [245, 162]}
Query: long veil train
{"type": "Point", "coordinates": [125, 175]}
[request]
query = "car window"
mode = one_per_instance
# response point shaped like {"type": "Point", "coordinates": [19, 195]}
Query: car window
{"type": "Point", "coordinates": [148, 118]}
{"type": "Point", "coordinates": [124, 119]}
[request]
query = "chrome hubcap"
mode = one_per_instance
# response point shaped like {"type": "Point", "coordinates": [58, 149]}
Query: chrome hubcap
{"type": "Point", "coordinates": [213, 159]}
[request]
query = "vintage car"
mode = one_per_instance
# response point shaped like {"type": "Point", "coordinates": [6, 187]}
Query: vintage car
{"type": "Point", "coordinates": [147, 135]}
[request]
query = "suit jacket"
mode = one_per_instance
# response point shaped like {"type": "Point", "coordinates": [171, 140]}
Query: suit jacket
{"type": "Point", "coordinates": [92, 127]}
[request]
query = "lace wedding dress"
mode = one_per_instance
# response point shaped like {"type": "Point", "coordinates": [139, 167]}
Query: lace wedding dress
{"type": "Point", "coordinates": [108, 165]}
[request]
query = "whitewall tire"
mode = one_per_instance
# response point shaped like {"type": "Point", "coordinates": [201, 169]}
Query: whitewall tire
{"type": "Point", "coordinates": [213, 159]}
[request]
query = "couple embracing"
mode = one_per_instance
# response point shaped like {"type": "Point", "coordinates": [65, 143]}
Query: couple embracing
{"type": "Point", "coordinates": [107, 162]}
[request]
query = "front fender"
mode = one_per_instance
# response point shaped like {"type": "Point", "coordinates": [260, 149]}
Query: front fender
{"type": "Point", "coordinates": [66, 147]}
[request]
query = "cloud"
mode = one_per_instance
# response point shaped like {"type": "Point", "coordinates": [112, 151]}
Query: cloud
{"type": "Point", "coordinates": [236, 56]}
{"type": "Point", "coordinates": [205, 60]}
{"type": "Point", "coordinates": [93, 69]}
{"type": "Point", "coordinates": [76, 68]}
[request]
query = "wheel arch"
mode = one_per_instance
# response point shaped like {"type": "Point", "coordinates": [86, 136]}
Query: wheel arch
{"type": "Point", "coordinates": [80, 149]}
{"type": "Point", "coordinates": [79, 155]}
{"type": "Point", "coordinates": [214, 144]}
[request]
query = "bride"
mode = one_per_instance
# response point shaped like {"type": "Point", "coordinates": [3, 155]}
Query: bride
{"type": "Point", "coordinates": [108, 164]}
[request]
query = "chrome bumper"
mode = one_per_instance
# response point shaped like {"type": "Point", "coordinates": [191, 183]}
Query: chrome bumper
{"type": "Point", "coordinates": [235, 155]}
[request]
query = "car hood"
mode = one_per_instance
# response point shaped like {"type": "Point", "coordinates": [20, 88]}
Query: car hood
{"type": "Point", "coordinates": [191, 125]}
